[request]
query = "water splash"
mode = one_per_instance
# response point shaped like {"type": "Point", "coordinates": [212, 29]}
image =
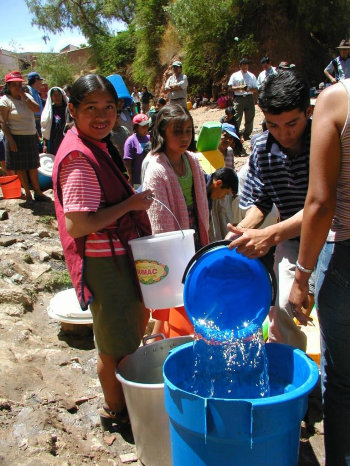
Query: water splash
{"type": "Point", "coordinates": [226, 366]}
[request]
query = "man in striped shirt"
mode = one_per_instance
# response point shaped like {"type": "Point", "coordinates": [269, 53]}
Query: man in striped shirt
{"type": "Point", "coordinates": [278, 174]}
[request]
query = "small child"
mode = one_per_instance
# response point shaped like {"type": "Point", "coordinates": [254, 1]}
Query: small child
{"type": "Point", "coordinates": [176, 179]}
{"type": "Point", "coordinates": [221, 185]}
{"type": "Point", "coordinates": [134, 148]}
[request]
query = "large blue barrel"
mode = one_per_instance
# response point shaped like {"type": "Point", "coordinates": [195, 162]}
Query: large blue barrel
{"type": "Point", "coordinates": [239, 432]}
{"type": "Point", "coordinates": [120, 86]}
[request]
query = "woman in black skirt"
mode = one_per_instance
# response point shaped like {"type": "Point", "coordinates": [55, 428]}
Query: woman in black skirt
{"type": "Point", "coordinates": [22, 155]}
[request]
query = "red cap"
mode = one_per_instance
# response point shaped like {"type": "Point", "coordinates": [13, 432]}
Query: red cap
{"type": "Point", "coordinates": [14, 76]}
{"type": "Point", "coordinates": [141, 119]}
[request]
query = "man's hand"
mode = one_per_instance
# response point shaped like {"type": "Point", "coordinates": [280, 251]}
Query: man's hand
{"type": "Point", "coordinates": [298, 299]}
{"type": "Point", "coordinates": [249, 242]}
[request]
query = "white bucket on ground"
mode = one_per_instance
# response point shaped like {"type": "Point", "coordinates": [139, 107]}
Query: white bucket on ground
{"type": "Point", "coordinates": [160, 262]}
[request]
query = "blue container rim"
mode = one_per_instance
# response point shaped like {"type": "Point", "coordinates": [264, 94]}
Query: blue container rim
{"type": "Point", "coordinates": [299, 392]}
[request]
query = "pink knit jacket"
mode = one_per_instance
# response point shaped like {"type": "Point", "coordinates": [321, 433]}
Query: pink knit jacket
{"type": "Point", "coordinates": [163, 182]}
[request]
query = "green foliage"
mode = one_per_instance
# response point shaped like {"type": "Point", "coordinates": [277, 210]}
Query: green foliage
{"type": "Point", "coordinates": [58, 281]}
{"type": "Point", "coordinates": [150, 20]}
{"type": "Point", "coordinates": [114, 53]}
{"type": "Point", "coordinates": [46, 219]}
{"type": "Point", "coordinates": [56, 69]}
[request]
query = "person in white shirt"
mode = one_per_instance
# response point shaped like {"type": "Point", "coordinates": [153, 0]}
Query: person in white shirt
{"type": "Point", "coordinates": [176, 85]}
{"type": "Point", "coordinates": [245, 86]}
{"type": "Point", "coordinates": [268, 70]}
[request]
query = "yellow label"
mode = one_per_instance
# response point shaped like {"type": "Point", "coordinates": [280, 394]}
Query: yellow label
{"type": "Point", "coordinates": [150, 272]}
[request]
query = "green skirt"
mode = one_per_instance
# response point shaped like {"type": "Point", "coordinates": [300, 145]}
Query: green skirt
{"type": "Point", "coordinates": [119, 315]}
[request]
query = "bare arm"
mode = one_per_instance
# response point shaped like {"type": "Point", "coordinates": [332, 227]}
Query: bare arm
{"type": "Point", "coordinates": [4, 116]}
{"type": "Point", "coordinates": [329, 76]}
{"type": "Point", "coordinates": [256, 243]}
{"type": "Point", "coordinates": [83, 223]}
{"type": "Point", "coordinates": [328, 121]}
{"type": "Point", "coordinates": [128, 166]}
{"type": "Point", "coordinates": [34, 107]}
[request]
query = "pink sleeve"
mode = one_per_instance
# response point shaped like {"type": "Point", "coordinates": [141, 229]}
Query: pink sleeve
{"type": "Point", "coordinates": [81, 191]}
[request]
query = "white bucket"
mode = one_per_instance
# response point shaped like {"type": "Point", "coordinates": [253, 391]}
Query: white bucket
{"type": "Point", "coordinates": [160, 262]}
{"type": "Point", "coordinates": [45, 170]}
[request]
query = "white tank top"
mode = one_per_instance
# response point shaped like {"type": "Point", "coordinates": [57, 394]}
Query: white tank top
{"type": "Point", "coordinates": [340, 228]}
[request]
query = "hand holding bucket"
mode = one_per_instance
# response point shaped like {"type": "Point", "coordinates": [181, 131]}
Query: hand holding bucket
{"type": "Point", "coordinates": [227, 292]}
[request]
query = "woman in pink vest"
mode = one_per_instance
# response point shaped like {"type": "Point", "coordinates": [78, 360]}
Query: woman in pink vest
{"type": "Point", "coordinates": [97, 213]}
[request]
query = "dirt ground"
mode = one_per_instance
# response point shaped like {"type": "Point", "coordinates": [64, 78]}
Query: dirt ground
{"type": "Point", "coordinates": [49, 392]}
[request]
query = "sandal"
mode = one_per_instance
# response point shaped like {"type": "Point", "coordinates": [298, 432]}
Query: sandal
{"type": "Point", "coordinates": [111, 420]}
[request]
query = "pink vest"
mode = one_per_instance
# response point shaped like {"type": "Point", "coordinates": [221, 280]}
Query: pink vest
{"type": "Point", "coordinates": [115, 189]}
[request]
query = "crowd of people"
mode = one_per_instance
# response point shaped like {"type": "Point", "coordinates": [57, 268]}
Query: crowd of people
{"type": "Point", "coordinates": [106, 177]}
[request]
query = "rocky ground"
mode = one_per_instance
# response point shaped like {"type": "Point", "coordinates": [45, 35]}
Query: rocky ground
{"type": "Point", "coordinates": [49, 392]}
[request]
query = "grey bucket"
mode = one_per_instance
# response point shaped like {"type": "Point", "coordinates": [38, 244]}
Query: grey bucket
{"type": "Point", "coordinates": [141, 376]}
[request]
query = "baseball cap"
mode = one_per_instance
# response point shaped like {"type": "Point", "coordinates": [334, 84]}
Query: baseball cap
{"type": "Point", "coordinates": [13, 77]}
{"type": "Point", "coordinates": [34, 75]}
{"type": "Point", "coordinates": [141, 119]}
{"type": "Point", "coordinates": [177, 63]}
{"type": "Point", "coordinates": [230, 129]}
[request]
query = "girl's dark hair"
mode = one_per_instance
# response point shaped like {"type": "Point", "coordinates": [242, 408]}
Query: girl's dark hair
{"type": "Point", "coordinates": [170, 114]}
{"type": "Point", "coordinates": [90, 83]}
{"type": "Point", "coordinates": [230, 110]}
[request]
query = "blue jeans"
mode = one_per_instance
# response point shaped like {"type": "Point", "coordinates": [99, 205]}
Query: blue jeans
{"type": "Point", "coordinates": [333, 306]}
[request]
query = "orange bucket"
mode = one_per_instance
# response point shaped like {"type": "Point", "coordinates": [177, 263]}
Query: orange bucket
{"type": "Point", "coordinates": [10, 186]}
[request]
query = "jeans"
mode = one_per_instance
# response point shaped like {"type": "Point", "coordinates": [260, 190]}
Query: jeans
{"type": "Point", "coordinates": [333, 306]}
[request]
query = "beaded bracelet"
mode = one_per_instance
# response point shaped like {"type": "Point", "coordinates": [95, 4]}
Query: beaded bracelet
{"type": "Point", "coordinates": [303, 269]}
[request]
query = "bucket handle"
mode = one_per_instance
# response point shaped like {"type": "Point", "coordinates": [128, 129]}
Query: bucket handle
{"type": "Point", "coordinates": [149, 337]}
{"type": "Point", "coordinates": [151, 196]}
{"type": "Point", "coordinates": [8, 182]}
{"type": "Point", "coordinates": [225, 242]}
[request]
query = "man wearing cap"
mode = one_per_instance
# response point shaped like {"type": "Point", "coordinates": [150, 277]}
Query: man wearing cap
{"type": "Point", "coordinates": [34, 85]}
{"type": "Point", "coordinates": [176, 85]}
{"type": "Point", "coordinates": [268, 70]}
{"type": "Point", "coordinates": [339, 68]}
{"type": "Point", "coordinates": [244, 85]}
{"type": "Point", "coordinates": [136, 147]}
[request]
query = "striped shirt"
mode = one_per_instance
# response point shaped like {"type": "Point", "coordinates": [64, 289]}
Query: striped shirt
{"type": "Point", "coordinates": [81, 192]}
{"type": "Point", "coordinates": [275, 178]}
{"type": "Point", "coordinates": [340, 228]}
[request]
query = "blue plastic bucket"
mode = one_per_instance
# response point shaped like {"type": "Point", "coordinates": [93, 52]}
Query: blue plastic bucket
{"type": "Point", "coordinates": [241, 432]}
{"type": "Point", "coordinates": [120, 86]}
{"type": "Point", "coordinates": [229, 290]}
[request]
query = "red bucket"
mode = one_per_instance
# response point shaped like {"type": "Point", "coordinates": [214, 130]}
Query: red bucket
{"type": "Point", "coordinates": [10, 186]}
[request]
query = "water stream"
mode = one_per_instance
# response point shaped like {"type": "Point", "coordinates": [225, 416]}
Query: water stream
{"type": "Point", "coordinates": [228, 367]}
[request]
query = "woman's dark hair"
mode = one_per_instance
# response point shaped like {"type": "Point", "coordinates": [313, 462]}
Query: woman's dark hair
{"type": "Point", "coordinates": [170, 114]}
{"type": "Point", "coordinates": [90, 83]}
{"type": "Point", "coordinates": [57, 89]}
{"type": "Point", "coordinates": [284, 92]}
{"type": "Point", "coordinates": [230, 110]}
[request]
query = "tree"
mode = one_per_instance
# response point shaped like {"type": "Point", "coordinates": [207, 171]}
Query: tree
{"type": "Point", "coordinates": [91, 17]}
{"type": "Point", "coordinates": [56, 69]}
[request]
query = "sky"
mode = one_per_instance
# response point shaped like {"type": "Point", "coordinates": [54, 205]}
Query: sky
{"type": "Point", "coordinates": [18, 35]}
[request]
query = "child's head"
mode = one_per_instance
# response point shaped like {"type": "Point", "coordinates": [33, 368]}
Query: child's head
{"type": "Point", "coordinates": [159, 103]}
{"type": "Point", "coordinates": [141, 124]}
{"type": "Point", "coordinates": [224, 181]}
{"type": "Point", "coordinates": [175, 118]}
{"type": "Point", "coordinates": [229, 138]}
{"type": "Point", "coordinates": [93, 105]}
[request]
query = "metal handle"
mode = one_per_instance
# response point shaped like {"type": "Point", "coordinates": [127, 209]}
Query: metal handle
{"type": "Point", "coordinates": [167, 208]}
{"type": "Point", "coordinates": [149, 337]}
